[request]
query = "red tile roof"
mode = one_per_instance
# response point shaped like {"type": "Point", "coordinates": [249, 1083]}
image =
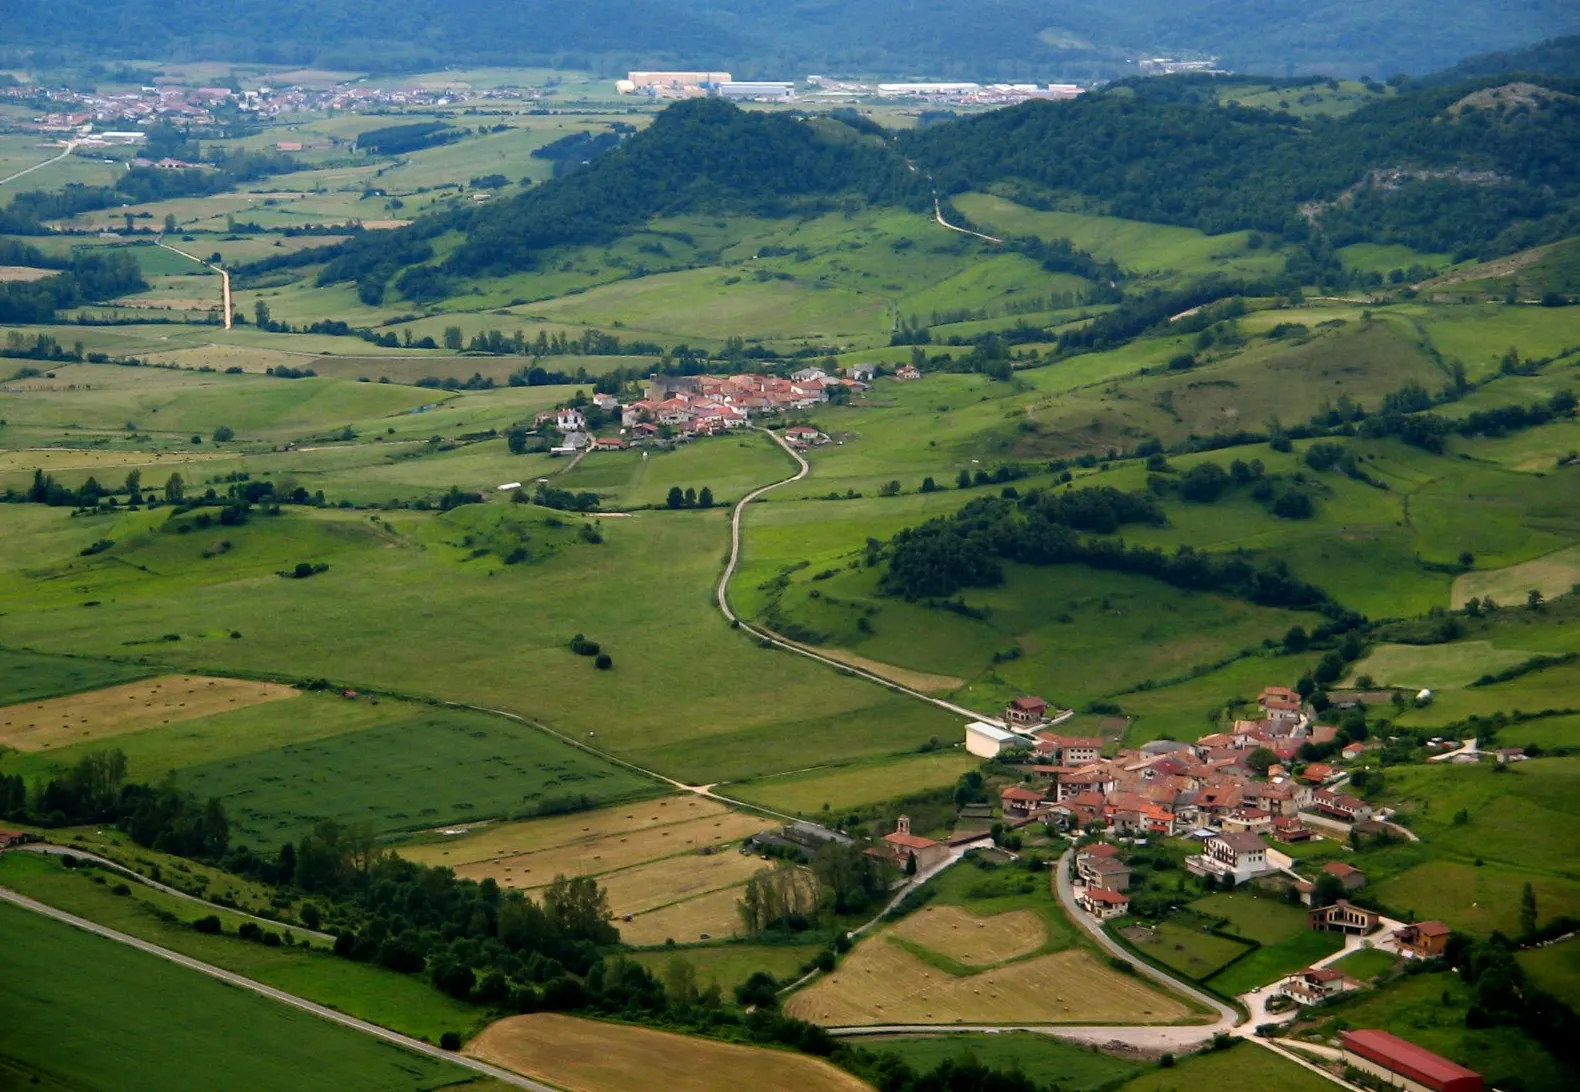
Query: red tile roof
{"type": "Point", "coordinates": [1102, 894]}
{"type": "Point", "coordinates": [1409, 1060]}
{"type": "Point", "coordinates": [909, 841]}
{"type": "Point", "coordinates": [1029, 704]}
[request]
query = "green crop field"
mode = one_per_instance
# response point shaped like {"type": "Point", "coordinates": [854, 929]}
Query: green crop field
{"type": "Point", "coordinates": [1265, 920]}
{"type": "Point", "coordinates": [186, 1031]}
{"type": "Point", "coordinates": [1555, 968]}
{"type": "Point", "coordinates": [1366, 964]}
{"type": "Point", "coordinates": [1042, 1058]}
{"type": "Point", "coordinates": [729, 965]}
{"type": "Point", "coordinates": [1184, 948]}
{"type": "Point", "coordinates": [1243, 1065]}
{"type": "Point", "coordinates": [1272, 962]}
{"type": "Point", "coordinates": [401, 1002]}
{"type": "Point", "coordinates": [840, 788]}
{"type": "Point", "coordinates": [30, 676]}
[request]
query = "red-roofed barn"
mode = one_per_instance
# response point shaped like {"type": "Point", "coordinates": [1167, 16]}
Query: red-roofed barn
{"type": "Point", "coordinates": [1403, 1064]}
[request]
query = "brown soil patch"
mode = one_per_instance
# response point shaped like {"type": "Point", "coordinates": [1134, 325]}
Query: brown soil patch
{"type": "Point", "coordinates": [591, 1056]}
{"type": "Point", "coordinates": [511, 839]}
{"type": "Point", "coordinates": [116, 710]}
{"type": "Point", "coordinates": [916, 680]}
{"type": "Point", "coordinates": [684, 922]}
{"type": "Point", "coordinates": [881, 983]}
{"type": "Point", "coordinates": [972, 940]}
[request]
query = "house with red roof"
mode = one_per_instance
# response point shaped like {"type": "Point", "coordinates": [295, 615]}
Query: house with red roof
{"type": "Point", "coordinates": [902, 845]}
{"type": "Point", "coordinates": [1315, 984]}
{"type": "Point", "coordinates": [1401, 1064]}
{"type": "Point", "coordinates": [1026, 711]}
{"type": "Point", "coordinates": [1423, 940]}
{"type": "Point", "coordinates": [1020, 802]}
{"type": "Point", "coordinates": [1103, 904]}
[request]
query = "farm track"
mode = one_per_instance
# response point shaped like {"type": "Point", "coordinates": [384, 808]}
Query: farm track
{"type": "Point", "coordinates": [71, 146]}
{"type": "Point", "coordinates": [224, 276]}
{"type": "Point", "coordinates": [417, 1046]}
{"type": "Point", "coordinates": [762, 633]}
{"type": "Point", "coordinates": [56, 850]}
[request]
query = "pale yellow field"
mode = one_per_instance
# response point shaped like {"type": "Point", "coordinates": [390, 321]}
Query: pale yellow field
{"type": "Point", "coordinates": [116, 710]}
{"type": "Point", "coordinates": [72, 459]}
{"type": "Point", "coordinates": [592, 1056]}
{"type": "Point", "coordinates": [973, 940]}
{"type": "Point", "coordinates": [649, 886]}
{"type": "Point", "coordinates": [881, 983]}
{"type": "Point", "coordinates": [1552, 575]}
{"type": "Point", "coordinates": [916, 680]}
{"type": "Point", "coordinates": [24, 273]}
{"type": "Point", "coordinates": [508, 839]}
{"type": "Point", "coordinates": [685, 922]}
{"type": "Point", "coordinates": [613, 852]}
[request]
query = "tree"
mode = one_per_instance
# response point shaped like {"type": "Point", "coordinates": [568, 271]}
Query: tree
{"type": "Point", "coordinates": [224, 434]}
{"type": "Point", "coordinates": [928, 485]}
{"type": "Point", "coordinates": [603, 661]}
{"type": "Point", "coordinates": [579, 909]}
{"type": "Point", "coordinates": [1329, 889]}
{"type": "Point", "coordinates": [1533, 601]}
{"type": "Point", "coordinates": [1527, 909]}
{"type": "Point", "coordinates": [1467, 560]}
{"type": "Point", "coordinates": [1296, 640]}
{"type": "Point", "coordinates": [452, 338]}
{"type": "Point", "coordinates": [134, 486]}
{"type": "Point", "coordinates": [170, 223]}
{"type": "Point", "coordinates": [759, 991]}
{"type": "Point", "coordinates": [680, 981]}
{"type": "Point", "coordinates": [676, 498]}
{"type": "Point", "coordinates": [450, 1040]}
{"type": "Point", "coordinates": [1260, 759]}
{"type": "Point", "coordinates": [910, 864]}
{"type": "Point", "coordinates": [260, 313]}
{"type": "Point", "coordinates": [691, 497]}
{"type": "Point", "coordinates": [175, 489]}
{"type": "Point", "coordinates": [963, 480]}
{"type": "Point", "coordinates": [705, 498]}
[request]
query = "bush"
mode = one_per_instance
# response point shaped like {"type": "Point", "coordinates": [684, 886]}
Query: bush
{"type": "Point", "coordinates": [450, 1040]}
{"type": "Point", "coordinates": [583, 647]}
{"type": "Point", "coordinates": [604, 661]}
{"type": "Point", "coordinates": [209, 925]}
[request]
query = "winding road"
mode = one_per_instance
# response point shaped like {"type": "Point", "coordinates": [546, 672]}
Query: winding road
{"type": "Point", "coordinates": [417, 1046]}
{"type": "Point", "coordinates": [779, 641]}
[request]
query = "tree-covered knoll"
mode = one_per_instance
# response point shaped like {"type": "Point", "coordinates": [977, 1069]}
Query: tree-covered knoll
{"type": "Point", "coordinates": [1407, 168]}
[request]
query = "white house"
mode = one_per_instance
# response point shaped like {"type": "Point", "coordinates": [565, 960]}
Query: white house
{"type": "Point", "coordinates": [1240, 854]}
{"type": "Point", "coordinates": [808, 374]}
{"type": "Point", "coordinates": [988, 741]}
{"type": "Point", "coordinates": [570, 420]}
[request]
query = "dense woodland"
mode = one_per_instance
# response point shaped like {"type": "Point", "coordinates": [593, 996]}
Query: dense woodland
{"type": "Point", "coordinates": [761, 39]}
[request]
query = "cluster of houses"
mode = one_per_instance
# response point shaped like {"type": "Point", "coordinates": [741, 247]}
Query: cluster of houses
{"type": "Point", "coordinates": [702, 405]}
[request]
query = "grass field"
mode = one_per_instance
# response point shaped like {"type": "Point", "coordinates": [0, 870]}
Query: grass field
{"type": "Point", "coordinates": [714, 916]}
{"type": "Point", "coordinates": [1429, 1010]}
{"type": "Point", "coordinates": [1187, 949]}
{"type": "Point", "coordinates": [32, 676]}
{"type": "Point", "coordinates": [98, 715]}
{"type": "Point", "coordinates": [1042, 1058]}
{"type": "Point", "coordinates": [593, 1056]}
{"type": "Point", "coordinates": [1556, 969]}
{"type": "Point", "coordinates": [1554, 575]}
{"type": "Point", "coordinates": [1366, 964]}
{"type": "Point", "coordinates": [840, 788]}
{"type": "Point", "coordinates": [1243, 1065]}
{"type": "Point", "coordinates": [728, 965]}
{"type": "Point", "coordinates": [186, 1030]}
{"type": "Point", "coordinates": [404, 1003]}
{"type": "Point", "coordinates": [1435, 667]}
{"type": "Point", "coordinates": [1272, 962]}
{"type": "Point", "coordinates": [1264, 920]}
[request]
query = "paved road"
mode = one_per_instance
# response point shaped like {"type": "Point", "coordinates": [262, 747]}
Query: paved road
{"type": "Point", "coordinates": [1151, 1038]}
{"type": "Point", "coordinates": [415, 1045]}
{"type": "Point", "coordinates": [938, 215]}
{"type": "Point", "coordinates": [121, 870]}
{"type": "Point", "coordinates": [1227, 1017]}
{"type": "Point", "coordinates": [70, 147]}
{"type": "Point", "coordinates": [224, 276]}
{"type": "Point", "coordinates": [779, 641]}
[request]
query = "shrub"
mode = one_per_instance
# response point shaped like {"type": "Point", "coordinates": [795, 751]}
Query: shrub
{"type": "Point", "coordinates": [604, 661]}
{"type": "Point", "coordinates": [209, 925]}
{"type": "Point", "coordinates": [450, 1040]}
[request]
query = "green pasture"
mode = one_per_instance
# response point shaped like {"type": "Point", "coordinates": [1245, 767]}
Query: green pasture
{"type": "Point", "coordinates": [1479, 898]}
{"type": "Point", "coordinates": [730, 465]}
{"type": "Point", "coordinates": [1366, 964]}
{"type": "Point", "coordinates": [1333, 99]}
{"type": "Point", "coordinates": [1183, 945]}
{"type": "Point", "coordinates": [1042, 1058]}
{"type": "Point", "coordinates": [1272, 962]}
{"type": "Point", "coordinates": [1435, 667]}
{"type": "Point", "coordinates": [1242, 1065]}
{"type": "Point", "coordinates": [403, 1003]}
{"type": "Point", "coordinates": [689, 690]}
{"type": "Point", "coordinates": [423, 770]}
{"type": "Point", "coordinates": [728, 965]}
{"type": "Point", "coordinates": [32, 676]}
{"type": "Point", "coordinates": [1429, 1011]}
{"type": "Point", "coordinates": [1138, 247]}
{"type": "Point", "coordinates": [1555, 968]}
{"type": "Point", "coordinates": [1263, 919]}
{"type": "Point", "coordinates": [1191, 709]}
{"type": "Point", "coordinates": [838, 789]}
{"type": "Point", "coordinates": [186, 1031]}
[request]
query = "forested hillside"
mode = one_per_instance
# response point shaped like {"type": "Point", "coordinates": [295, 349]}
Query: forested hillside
{"type": "Point", "coordinates": [1452, 170]}
{"type": "Point", "coordinates": [1008, 38]}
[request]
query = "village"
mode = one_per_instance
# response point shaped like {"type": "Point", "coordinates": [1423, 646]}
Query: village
{"type": "Point", "coordinates": [675, 409]}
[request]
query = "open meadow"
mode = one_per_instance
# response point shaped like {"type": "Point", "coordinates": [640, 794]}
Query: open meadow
{"type": "Point", "coordinates": [222, 1036]}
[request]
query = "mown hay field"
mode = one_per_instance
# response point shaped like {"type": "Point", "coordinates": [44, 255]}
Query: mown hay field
{"type": "Point", "coordinates": [977, 941]}
{"type": "Point", "coordinates": [882, 983]}
{"type": "Point", "coordinates": [490, 842]}
{"type": "Point", "coordinates": [132, 707]}
{"type": "Point", "coordinates": [613, 852]}
{"type": "Point", "coordinates": [650, 886]}
{"type": "Point", "coordinates": [707, 917]}
{"type": "Point", "coordinates": [1553, 575]}
{"type": "Point", "coordinates": [591, 1056]}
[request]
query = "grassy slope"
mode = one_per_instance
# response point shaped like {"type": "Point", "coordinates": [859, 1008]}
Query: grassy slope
{"type": "Point", "coordinates": [1040, 1057]}
{"type": "Point", "coordinates": [185, 1031]}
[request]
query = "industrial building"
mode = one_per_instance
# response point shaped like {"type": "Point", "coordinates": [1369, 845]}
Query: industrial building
{"type": "Point", "coordinates": [760, 91]}
{"type": "Point", "coordinates": [1402, 1064]}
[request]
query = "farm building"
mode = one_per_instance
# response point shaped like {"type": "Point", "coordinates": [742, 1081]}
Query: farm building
{"type": "Point", "coordinates": [1402, 1064]}
{"type": "Point", "coordinates": [9, 838]}
{"type": "Point", "coordinates": [903, 845]}
{"type": "Point", "coordinates": [988, 741]}
{"type": "Point", "coordinates": [1423, 940]}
